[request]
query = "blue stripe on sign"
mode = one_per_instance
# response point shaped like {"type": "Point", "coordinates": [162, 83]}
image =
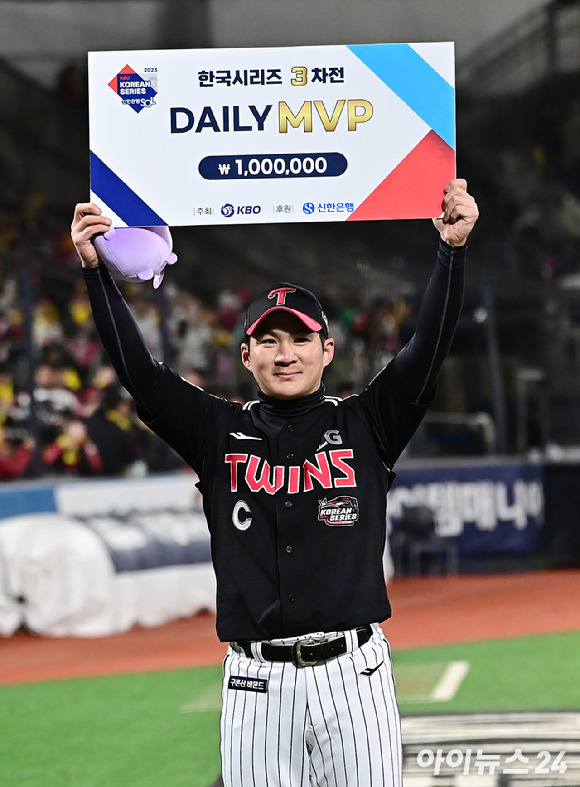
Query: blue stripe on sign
{"type": "Point", "coordinates": [120, 198]}
{"type": "Point", "coordinates": [26, 500]}
{"type": "Point", "coordinates": [416, 83]}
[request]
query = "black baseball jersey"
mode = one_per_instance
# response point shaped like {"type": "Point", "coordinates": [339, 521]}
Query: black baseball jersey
{"type": "Point", "coordinates": [294, 491]}
{"type": "Point", "coordinates": [294, 494]}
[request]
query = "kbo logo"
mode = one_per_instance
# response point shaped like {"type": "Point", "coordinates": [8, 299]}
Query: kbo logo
{"type": "Point", "coordinates": [228, 210]}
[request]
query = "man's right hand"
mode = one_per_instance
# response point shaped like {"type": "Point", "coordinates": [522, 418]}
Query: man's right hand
{"type": "Point", "coordinates": [87, 222]}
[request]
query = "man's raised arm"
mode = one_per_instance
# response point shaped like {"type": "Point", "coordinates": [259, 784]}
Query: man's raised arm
{"type": "Point", "coordinates": [418, 364]}
{"type": "Point", "coordinates": [136, 368]}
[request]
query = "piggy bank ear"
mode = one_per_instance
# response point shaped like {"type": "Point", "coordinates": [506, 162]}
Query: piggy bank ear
{"type": "Point", "coordinates": [136, 253]}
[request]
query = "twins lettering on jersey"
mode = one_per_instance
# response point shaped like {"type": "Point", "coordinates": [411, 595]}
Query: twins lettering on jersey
{"type": "Point", "coordinates": [330, 470]}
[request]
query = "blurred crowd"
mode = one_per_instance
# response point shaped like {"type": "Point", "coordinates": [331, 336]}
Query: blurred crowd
{"type": "Point", "coordinates": [62, 411]}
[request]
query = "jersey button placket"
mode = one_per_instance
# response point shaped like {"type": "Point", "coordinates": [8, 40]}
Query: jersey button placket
{"type": "Point", "coordinates": [288, 565]}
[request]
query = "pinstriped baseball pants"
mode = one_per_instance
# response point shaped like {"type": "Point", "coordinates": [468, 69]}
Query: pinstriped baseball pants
{"type": "Point", "coordinates": [332, 725]}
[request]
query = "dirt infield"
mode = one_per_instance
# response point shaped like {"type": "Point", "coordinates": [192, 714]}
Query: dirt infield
{"type": "Point", "coordinates": [426, 611]}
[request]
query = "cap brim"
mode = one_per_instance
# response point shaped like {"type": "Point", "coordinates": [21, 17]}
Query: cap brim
{"type": "Point", "coordinates": [308, 321]}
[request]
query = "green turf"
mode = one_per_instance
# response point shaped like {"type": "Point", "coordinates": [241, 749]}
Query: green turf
{"type": "Point", "coordinates": [524, 673]}
{"type": "Point", "coordinates": [121, 731]}
{"type": "Point", "coordinates": [162, 728]}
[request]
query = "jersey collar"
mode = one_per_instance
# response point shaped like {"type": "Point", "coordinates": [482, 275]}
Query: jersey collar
{"type": "Point", "coordinates": [291, 408]}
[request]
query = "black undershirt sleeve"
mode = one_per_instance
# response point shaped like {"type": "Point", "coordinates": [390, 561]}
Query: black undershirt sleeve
{"type": "Point", "coordinates": [417, 365]}
{"type": "Point", "coordinates": [141, 374]}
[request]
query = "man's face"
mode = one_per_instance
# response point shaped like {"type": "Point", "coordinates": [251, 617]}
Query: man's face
{"type": "Point", "coordinates": [285, 357]}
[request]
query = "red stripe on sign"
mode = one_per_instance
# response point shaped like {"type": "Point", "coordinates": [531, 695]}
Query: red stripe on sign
{"type": "Point", "coordinates": [414, 189]}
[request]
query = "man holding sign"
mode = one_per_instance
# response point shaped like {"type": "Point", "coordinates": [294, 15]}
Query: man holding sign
{"type": "Point", "coordinates": [294, 488]}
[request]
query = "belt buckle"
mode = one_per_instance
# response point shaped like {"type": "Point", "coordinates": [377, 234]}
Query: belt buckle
{"type": "Point", "coordinates": [297, 659]}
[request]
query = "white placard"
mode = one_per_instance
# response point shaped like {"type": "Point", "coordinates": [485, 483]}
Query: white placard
{"type": "Point", "coordinates": [217, 136]}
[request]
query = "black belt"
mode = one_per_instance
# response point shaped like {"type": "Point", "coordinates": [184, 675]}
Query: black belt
{"type": "Point", "coordinates": [307, 652]}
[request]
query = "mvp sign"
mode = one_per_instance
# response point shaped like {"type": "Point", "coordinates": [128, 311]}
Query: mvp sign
{"type": "Point", "coordinates": [334, 133]}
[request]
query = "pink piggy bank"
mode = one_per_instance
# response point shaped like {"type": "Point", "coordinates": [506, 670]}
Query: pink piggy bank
{"type": "Point", "coordinates": [136, 253]}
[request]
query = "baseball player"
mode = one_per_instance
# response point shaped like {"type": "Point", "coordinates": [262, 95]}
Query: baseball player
{"type": "Point", "coordinates": [294, 487]}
